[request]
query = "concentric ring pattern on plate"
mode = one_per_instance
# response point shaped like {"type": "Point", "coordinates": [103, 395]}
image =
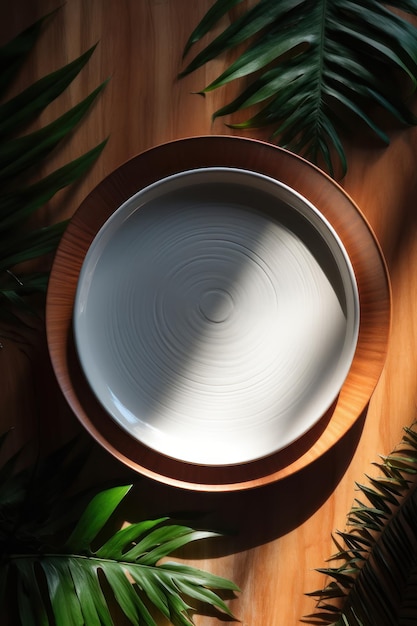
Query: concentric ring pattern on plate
{"type": "Point", "coordinates": [216, 316]}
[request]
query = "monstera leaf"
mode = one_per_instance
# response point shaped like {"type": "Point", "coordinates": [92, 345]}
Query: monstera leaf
{"type": "Point", "coordinates": [62, 564]}
{"type": "Point", "coordinates": [22, 191]}
{"type": "Point", "coordinates": [315, 69]}
{"type": "Point", "coordinates": [375, 581]}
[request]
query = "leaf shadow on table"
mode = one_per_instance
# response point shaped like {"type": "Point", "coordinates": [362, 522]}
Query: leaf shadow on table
{"type": "Point", "coordinates": [252, 517]}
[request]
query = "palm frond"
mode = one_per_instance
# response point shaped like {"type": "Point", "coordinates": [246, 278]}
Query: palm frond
{"type": "Point", "coordinates": [21, 156]}
{"type": "Point", "coordinates": [14, 53]}
{"type": "Point", "coordinates": [315, 68]}
{"type": "Point", "coordinates": [57, 549]}
{"type": "Point", "coordinates": [17, 205]}
{"type": "Point", "coordinates": [22, 153]}
{"type": "Point", "coordinates": [376, 582]}
{"type": "Point", "coordinates": [20, 110]}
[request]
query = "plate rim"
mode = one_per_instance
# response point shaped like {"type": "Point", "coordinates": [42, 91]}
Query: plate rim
{"type": "Point", "coordinates": [374, 291]}
{"type": "Point", "coordinates": [182, 181]}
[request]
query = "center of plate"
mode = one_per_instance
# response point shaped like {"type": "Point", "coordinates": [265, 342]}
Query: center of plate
{"type": "Point", "coordinates": [178, 326]}
{"type": "Point", "coordinates": [216, 305]}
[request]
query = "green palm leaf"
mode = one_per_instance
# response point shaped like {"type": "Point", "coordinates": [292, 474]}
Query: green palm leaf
{"type": "Point", "coordinates": [61, 582]}
{"type": "Point", "coordinates": [22, 155]}
{"type": "Point", "coordinates": [315, 69]}
{"type": "Point", "coordinates": [20, 203]}
{"type": "Point", "coordinates": [14, 53]}
{"type": "Point", "coordinates": [376, 582]}
{"type": "Point", "coordinates": [21, 109]}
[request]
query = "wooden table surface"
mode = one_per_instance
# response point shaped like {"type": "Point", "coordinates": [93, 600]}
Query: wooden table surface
{"type": "Point", "coordinates": [283, 531]}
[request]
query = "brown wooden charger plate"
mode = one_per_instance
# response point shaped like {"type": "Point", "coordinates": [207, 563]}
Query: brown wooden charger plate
{"type": "Point", "coordinates": [360, 244]}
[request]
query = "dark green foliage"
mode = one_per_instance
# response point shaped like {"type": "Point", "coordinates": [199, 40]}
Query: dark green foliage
{"type": "Point", "coordinates": [316, 68]}
{"type": "Point", "coordinates": [57, 548]}
{"type": "Point", "coordinates": [376, 582]}
{"type": "Point", "coordinates": [22, 155]}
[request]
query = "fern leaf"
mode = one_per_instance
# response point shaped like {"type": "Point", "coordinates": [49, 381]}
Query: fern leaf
{"type": "Point", "coordinates": [372, 586]}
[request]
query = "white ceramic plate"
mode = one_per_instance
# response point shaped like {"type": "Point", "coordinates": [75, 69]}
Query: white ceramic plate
{"type": "Point", "coordinates": [216, 316]}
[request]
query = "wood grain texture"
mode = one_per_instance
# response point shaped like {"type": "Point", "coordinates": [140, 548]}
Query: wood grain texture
{"type": "Point", "coordinates": [283, 530]}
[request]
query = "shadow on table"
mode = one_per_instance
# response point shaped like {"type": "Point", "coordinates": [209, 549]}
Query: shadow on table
{"type": "Point", "coordinates": [254, 517]}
